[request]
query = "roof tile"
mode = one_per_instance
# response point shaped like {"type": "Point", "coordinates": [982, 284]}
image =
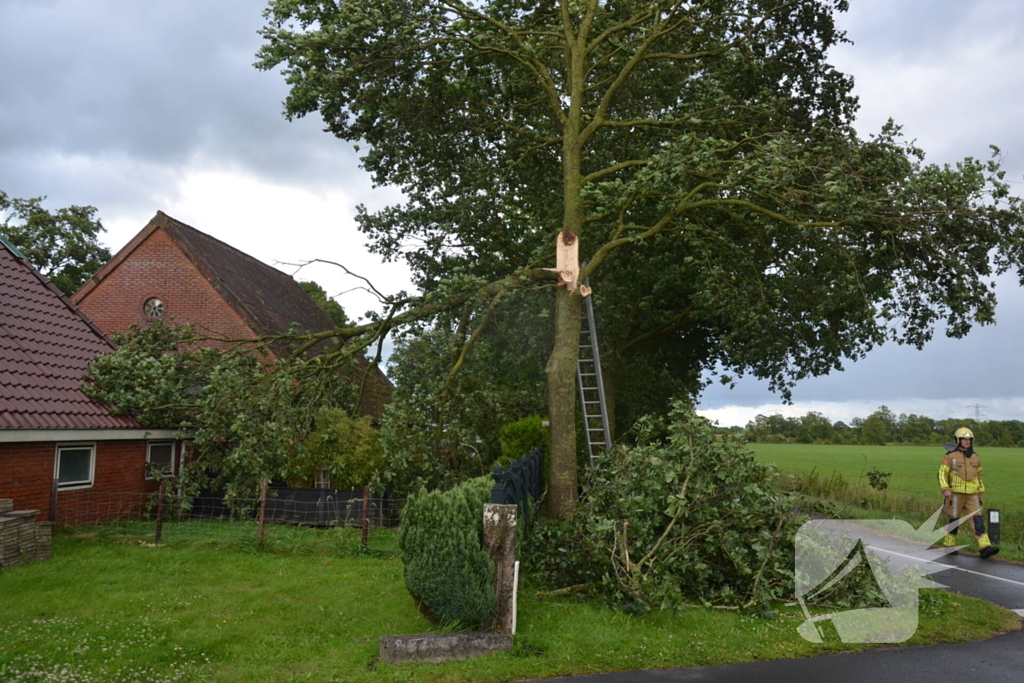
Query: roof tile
{"type": "Point", "coordinates": [45, 348]}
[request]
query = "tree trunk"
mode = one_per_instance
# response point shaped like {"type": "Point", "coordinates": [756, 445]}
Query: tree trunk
{"type": "Point", "coordinates": [561, 367]}
{"type": "Point", "coordinates": [561, 376]}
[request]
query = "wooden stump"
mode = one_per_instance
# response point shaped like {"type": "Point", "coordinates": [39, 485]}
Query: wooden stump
{"type": "Point", "coordinates": [500, 546]}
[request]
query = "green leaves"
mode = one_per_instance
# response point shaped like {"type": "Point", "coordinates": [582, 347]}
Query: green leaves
{"type": "Point", "coordinates": [326, 304]}
{"type": "Point", "coordinates": [62, 244]}
{"type": "Point", "coordinates": [350, 447]}
{"type": "Point", "coordinates": [446, 570]}
{"type": "Point", "coordinates": [704, 153]}
{"type": "Point", "coordinates": [654, 514]}
{"type": "Point", "coordinates": [520, 437]}
{"type": "Point", "coordinates": [249, 420]}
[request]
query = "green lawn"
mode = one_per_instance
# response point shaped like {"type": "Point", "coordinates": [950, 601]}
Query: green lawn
{"type": "Point", "coordinates": [913, 491]}
{"type": "Point", "coordinates": [101, 610]}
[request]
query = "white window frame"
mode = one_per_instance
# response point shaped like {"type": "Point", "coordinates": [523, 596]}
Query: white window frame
{"type": "Point", "coordinates": [149, 451]}
{"type": "Point", "coordinates": [71, 486]}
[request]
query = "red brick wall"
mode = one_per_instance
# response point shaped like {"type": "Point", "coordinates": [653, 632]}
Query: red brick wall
{"type": "Point", "coordinates": [119, 483]}
{"type": "Point", "coordinates": [157, 268]}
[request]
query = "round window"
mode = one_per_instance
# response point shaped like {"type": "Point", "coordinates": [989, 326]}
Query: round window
{"type": "Point", "coordinates": [154, 308]}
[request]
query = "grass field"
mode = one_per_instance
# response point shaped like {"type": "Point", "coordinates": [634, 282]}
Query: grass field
{"type": "Point", "coordinates": [111, 612]}
{"type": "Point", "coordinates": [913, 485]}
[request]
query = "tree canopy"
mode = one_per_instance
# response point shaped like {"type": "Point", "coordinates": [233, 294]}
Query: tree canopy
{"type": "Point", "coordinates": [326, 303]}
{"type": "Point", "coordinates": [880, 427]}
{"type": "Point", "coordinates": [62, 244]}
{"type": "Point", "coordinates": [250, 421]}
{"type": "Point", "coordinates": [703, 154]}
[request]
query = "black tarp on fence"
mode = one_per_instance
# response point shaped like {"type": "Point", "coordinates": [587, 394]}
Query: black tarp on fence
{"type": "Point", "coordinates": [308, 507]}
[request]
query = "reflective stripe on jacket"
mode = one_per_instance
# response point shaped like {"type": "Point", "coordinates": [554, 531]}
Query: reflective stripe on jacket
{"type": "Point", "coordinates": [961, 474]}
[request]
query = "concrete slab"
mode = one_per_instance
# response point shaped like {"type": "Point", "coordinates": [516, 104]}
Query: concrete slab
{"type": "Point", "coordinates": [435, 648]}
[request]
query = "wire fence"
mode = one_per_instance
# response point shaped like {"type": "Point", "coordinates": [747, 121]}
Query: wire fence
{"type": "Point", "coordinates": [302, 521]}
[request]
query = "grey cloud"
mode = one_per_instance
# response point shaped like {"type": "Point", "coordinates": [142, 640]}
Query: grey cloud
{"type": "Point", "coordinates": [973, 50]}
{"type": "Point", "coordinates": [910, 29]}
{"type": "Point", "coordinates": [986, 363]}
{"type": "Point", "coordinates": [158, 83]}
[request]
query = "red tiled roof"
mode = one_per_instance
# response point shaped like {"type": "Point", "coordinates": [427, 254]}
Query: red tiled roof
{"type": "Point", "coordinates": [45, 347]}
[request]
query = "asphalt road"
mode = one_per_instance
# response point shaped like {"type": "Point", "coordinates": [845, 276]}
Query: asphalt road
{"type": "Point", "coordinates": [997, 660]}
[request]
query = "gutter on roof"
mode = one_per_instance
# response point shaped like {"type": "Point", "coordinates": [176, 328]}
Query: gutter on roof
{"type": "Point", "coordinates": [14, 250]}
{"type": "Point", "coordinates": [37, 435]}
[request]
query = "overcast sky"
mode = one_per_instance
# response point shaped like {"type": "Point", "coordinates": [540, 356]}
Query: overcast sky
{"type": "Point", "coordinates": [138, 106]}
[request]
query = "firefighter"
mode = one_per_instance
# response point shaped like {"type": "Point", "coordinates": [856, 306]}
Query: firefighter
{"type": "Point", "coordinates": [962, 485]}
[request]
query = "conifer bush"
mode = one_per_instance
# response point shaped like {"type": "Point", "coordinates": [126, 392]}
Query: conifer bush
{"type": "Point", "coordinates": [446, 571]}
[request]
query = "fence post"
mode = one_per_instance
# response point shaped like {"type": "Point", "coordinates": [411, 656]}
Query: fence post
{"type": "Point", "coordinates": [366, 515]}
{"type": "Point", "coordinates": [498, 488]}
{"type": "Point", "coordinates": [53, 500]}
{"type": "Point", "coordinates": [263, 510]}
{"type": "Point", "coordinates": [160, 511]}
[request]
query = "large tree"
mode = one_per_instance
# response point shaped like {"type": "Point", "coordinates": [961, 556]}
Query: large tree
{"type": "Point", "coordinates": [712, 132]}
{"type": "Point", "coordinates": [62, 244]}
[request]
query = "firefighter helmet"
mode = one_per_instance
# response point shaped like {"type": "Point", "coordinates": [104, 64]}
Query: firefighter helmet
{"type": "Point", "coordinates": [964, 433]}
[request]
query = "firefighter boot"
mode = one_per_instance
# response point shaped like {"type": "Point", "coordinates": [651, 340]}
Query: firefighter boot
{"type": "Point", "coordinates": [985, 547]}
{"type": "Point", "coordinates": [949, 540]}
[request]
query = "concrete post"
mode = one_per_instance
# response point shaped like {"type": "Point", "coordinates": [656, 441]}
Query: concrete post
{"type": "Point", "coordinates": [500, 546]}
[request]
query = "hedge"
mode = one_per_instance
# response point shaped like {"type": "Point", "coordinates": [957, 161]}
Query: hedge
{"type": "Point", "coordinates": [446, 571]}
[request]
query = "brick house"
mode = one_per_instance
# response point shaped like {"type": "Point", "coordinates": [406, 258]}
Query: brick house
{"type": "Point", "coordinates": [51, 434]}
{"type": "Point", "coordinates": [171, 270]}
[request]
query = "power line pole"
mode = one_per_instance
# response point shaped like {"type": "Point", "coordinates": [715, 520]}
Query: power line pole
{"type": "Point", "coordinates": [978, 415]}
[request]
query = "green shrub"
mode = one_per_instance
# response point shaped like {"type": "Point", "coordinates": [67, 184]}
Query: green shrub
{"type": "Point", "coordinates": [685, 518]}
{"type": "Point", "coordinates": [522, 436]}
{"type": "Point", "coordinates": [349, 446]}
{"type": "Point", "coordinates": [446, 571]}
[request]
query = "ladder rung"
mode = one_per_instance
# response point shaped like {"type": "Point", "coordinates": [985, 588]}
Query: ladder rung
{"type": "Point", "coordinates": [592, 403]}
{"type": "Point", "coordinates": [588, 374]}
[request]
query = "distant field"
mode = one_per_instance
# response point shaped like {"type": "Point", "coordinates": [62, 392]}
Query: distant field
{"type": "Point", "coordinates": [914, 468]}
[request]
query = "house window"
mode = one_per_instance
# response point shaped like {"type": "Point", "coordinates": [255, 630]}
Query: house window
{"type": "Point", "coordinates": [75, 465]}
{"type": "Point", "coordinates": [153, 308]}
{"type": "Point", "coordinates": [159, 459]}
{"type": "Point", "coordinates": [323, 478]}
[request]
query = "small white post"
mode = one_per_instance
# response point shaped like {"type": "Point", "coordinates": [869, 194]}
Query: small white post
{"type": "Point", "coordinates": [515, 596]}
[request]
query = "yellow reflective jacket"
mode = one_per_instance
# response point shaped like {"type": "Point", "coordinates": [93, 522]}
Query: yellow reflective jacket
{"type": "Point", "coordinates": [961, 474]}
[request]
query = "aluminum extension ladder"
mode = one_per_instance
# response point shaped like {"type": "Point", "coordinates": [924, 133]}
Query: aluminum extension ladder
{"type": "Point", "coordinates": [591, 383]}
